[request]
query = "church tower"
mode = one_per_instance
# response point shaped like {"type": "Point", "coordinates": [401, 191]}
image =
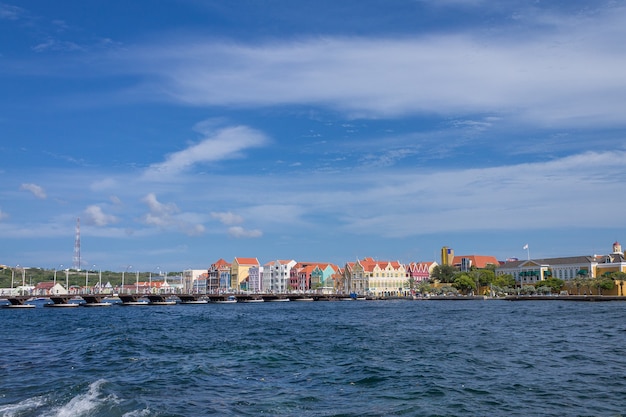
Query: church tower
{"type": "Point", "coordinates": [617, 248]}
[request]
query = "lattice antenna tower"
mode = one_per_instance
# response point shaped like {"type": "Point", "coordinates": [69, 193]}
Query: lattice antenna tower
{"type": "Point", "coordinates": [76, 259]}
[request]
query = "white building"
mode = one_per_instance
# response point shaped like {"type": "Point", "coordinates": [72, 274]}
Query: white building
{"type": "Point", "coordinates": [276, 275]}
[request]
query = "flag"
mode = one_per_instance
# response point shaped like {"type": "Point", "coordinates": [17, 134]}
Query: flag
{"type": "Point", "coordinates": [525, 246]}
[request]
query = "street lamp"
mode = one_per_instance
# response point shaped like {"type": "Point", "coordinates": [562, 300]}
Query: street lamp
{"type": "Point", "coordinates": [13, 277]}
{"type": "Point", "coordinates": [127, 268]}
{"type": "Point", "coordinates": [23, 279]}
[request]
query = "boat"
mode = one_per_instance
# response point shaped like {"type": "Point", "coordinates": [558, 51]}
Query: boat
{"type": "Point", "coordinates": [163, 303]}
{"type": "Point", "coordinates": [62, 305]}
{"type": "Point", "coordinates": [253, 300]}
{"type": "Point", "coordinates": [228, 300]}
{"type": "Point", "coordinates": [136, 303]}
{"type": "Point", "coordinates": [304, 299]}
{"type": "Point", "coordinates": [97, 304]}
{"type": "Point", "coordinates": [278, 300]}
{"type": "Point", "coordinates": [194, 302]}
{"type": "Point", "coordinates": [18, 306]}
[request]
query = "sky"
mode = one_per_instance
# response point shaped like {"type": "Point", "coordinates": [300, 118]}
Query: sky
{"type": "Point", "coordinates": [180, 132]}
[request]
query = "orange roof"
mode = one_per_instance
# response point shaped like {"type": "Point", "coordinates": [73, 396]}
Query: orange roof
{"type": "Point", "coordinates": [369, 264]}
{"type": "Point", "coordinates": [220, 263]}
{"type": "Point", "coordinates": [478, 261]}
{"type": "Point", "coordinates": [247, 261]}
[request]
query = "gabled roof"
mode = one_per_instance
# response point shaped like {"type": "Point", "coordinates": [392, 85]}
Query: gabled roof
{"type": "Point", "coordinates": [220, 263]}
{"type": "Point", "coordinates": [247, 261]}
{"type": "Point", "coordinates": [369, 264]}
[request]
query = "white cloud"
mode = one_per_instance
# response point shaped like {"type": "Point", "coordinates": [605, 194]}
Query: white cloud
{"type": "Point", "coordinates": [167, 216]}
{"type": "Point", "coordinates": [240, 232]}
{"type": "Point", "coordinates": [3, 215]}
{"type": "Point", "coordinates": [227, 218]}
{"type": "Point", "coordinates": [160, 214]}
{"type": "Point", "coordinates": [103, 184]}
{"type": "Point", "coordinates": [10, 12]}
{"type": "Point", "coordinates": [96, 216]}
{"type": "Point", "coordinates": [37, 190]}
{"type": "Point", "coordinates": [568, 73]}
{"type": "Point", "coordinates": [226, 143]}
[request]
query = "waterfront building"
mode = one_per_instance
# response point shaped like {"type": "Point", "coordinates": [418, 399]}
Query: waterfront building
{"type": "Point", "coordinates": [219, 276]}
{"type": "Point", "coordinates": [300, 276]}
{"type": "Point", "coordinates": [190, 280]}
{"type": "Point", "coordinates": [239, 272]}
{"type": "Point", "coordinates": [49, 288]}
{"type": "Point", "coordinates": [305, 276]}
{"type": "Point", "coordinates": [466, 262]}
{"type": "Point", "coordinates": [276, 275]}
{"type": "Point", "coordinates": [255, 278]}
{"type": "Point", "coordinates": [321, 277]}
{"type": "Point", "coordinates": [420, 271]}
{"type": "Point", "coordinates": [378, 278]}
{"type": "Point", "coordinates": [531, 271]}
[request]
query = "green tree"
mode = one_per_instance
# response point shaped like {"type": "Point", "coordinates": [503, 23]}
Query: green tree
{"type": "Point", "coordinates": [486, 276]}
{"type": "Point", "coordinates": [554, 284]}
{"type": "Point", "coordinates": [603, 283]}
{"type": "Point", "coordinates": [444, 273]}
{"type": "Point", "coordinates": [411, 283]}
{"type": "Point", "coordinates": [504, 280]}
{"type": "Point", "coordinates": [621, 277]}
{"type": "Point", "coordinates": [464, 283]}
{"type": "Point", "coordinates": [424, 287]}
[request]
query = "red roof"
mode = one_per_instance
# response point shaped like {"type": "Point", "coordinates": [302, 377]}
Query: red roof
{"type": "Point", "coordinates": [247, 261]}
{"type": "Point", "coordinates": [478, 261]}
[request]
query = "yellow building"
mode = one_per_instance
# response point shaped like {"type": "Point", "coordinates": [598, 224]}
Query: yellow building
{"type": "Point", "coordinates": [239, 272]}
{"type": "Point", "coordinates": [378, 278]}
{"type": "Point", "coordinates": [447, 256]}
{"type": "Point", "coordinates": [531, 271]}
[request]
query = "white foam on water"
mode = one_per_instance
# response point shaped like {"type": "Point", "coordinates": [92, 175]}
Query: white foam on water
{"type": "Point", "coordinates": [84, 404]}
{"type": "Point", "coordinates": [11, 410]}
{"type": "Point", "coordinates": [137, 413]}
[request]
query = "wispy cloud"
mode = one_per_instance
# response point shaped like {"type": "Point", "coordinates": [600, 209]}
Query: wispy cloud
{"type": "Point", "coordinates": [51, 44]}
{"type": "Point", "coordinates": [96, 216]}
{"type": "Point", "coordinates": [240, 232]}
{"type": "Point", "coordinates": [565, 74]}
{"type": "Point", "coordinates": [10, 12]}
{"type": "Point", "coordinates": [3, 215]}
{"type": "Point", "coordinates": [217, 145]}
{"type": "Point", "coordinates": [227, 218]}
{"type": "Point", "coordinates": [37, 190]}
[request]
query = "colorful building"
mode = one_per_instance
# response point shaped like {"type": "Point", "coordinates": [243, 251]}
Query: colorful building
{"type": "Point", "coordinates": [377, 278]}
{"type": "Point", "coordinates": [219, 276]}
{"type": "Point", "coordinates": [420, 271]}
{"type": "Point", "coordinates": [239, 272]}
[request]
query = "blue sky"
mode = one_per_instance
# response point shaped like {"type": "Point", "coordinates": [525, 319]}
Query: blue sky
{"type": "Point", "coordinates": [181, 132]}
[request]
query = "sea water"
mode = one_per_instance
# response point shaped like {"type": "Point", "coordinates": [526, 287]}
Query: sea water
{"type": "Point", "coordinates": [344, 358]}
